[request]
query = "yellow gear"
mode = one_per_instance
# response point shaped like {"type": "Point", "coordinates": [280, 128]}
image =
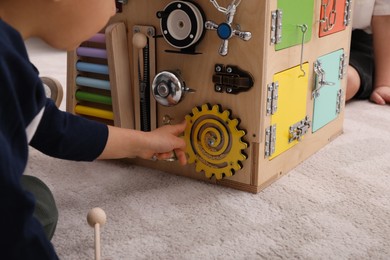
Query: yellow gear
{"type": "Point", "coordinates": [213, 141]}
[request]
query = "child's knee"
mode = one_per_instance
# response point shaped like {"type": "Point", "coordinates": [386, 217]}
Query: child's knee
{"type": "Point", "coordinates": [45, 208]}
{"type": "Point", "coordinates": [353, 83]}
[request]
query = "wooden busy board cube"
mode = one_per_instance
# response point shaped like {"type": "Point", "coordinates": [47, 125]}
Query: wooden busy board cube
{"type": "Point", "coordinates": [260, 83]}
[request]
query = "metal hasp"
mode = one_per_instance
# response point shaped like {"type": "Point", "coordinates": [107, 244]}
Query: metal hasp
{"type": "Point", "coordinates": [225, 30]}
{"type": "Point", "coordinates": [321, 81]}
{"type": "Point", "coordinates": [272, 98]}
{"type": "Point", "coordinates": [276, 26]}
{"type": "Point", "coordinates": [298, 130]}
{"type": "Point", "coordinates": [231, 79]}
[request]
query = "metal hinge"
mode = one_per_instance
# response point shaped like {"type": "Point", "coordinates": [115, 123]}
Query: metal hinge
{"type": "Point", "coordinates": [339, 101]}
{"type": "Point", "coordinates": [272, 98]}
{"type": "Point", "coordinates": [347, 12]}
{"type": "Point", "coordinates": [270, 140]}
{"type": "Point", "coordinates": [276, 26]}
{"type": "Point", "coordinates": [320, 79]}
{"type": "Point", "coordinates": [298, 130]}
{"type": "Point", "coordinates": [342, 66]}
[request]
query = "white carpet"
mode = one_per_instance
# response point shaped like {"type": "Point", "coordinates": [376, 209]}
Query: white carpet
{"type": "Point", "coordinates": [335, 205]}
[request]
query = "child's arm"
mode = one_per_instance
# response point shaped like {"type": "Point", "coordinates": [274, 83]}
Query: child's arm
{"type": "Point", "coordinates": [381, 36]}
{"type": "Point", "coordinates": [161, 142]}
{"type": "Point", "coordinates": [70, 137]}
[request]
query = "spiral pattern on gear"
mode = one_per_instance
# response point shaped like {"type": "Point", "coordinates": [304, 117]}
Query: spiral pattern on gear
{"type": "Point", "coordinates": [213, 141]}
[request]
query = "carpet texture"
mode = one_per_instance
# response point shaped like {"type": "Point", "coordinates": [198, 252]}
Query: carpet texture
{"type": "Point", "coordinates": [335, 205]}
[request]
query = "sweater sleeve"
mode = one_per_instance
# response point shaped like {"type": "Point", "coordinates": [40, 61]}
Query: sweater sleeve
{"type": "Point", "coordinates": [67, 136]}
{"type": "Point", "coordinates": [382, 7]}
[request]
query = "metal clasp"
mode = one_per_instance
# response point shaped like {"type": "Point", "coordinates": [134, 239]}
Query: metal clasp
{"type": "Point", "coordinates": [329, 20]}
{"type": "Point", "coordinates": [298, 130]}
{"type": "Point", "coordinates": [304, 30]}
{"type": "Point", "coordinates": [321, 81]}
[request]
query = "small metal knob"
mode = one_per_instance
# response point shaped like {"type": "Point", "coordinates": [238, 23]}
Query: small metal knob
{"type": "Point", "coordinates": [168, 88]}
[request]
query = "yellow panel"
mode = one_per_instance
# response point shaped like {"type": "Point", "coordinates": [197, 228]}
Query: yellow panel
{"type": "Point", "coordinates": [292, 94]}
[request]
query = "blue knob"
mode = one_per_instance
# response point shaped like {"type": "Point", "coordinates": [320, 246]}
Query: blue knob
{"type": "Point", "coordinates": [224, 31]}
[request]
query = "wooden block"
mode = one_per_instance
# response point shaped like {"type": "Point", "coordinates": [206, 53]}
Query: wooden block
{"type": "Point", "coordinates": [120, 81]}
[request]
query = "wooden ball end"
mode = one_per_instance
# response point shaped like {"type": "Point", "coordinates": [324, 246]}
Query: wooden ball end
{"type": "Point", "coordinates": [140, 40]}
{"type": "Point", "coordinates": [96, 215]}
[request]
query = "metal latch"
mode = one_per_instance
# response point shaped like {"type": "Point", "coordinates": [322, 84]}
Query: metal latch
{"type": "Point", "coordinates": [270, 140]}
{"type": "Point", "coordinates": [328, 20]}
{"type": "Point", "coordinates": [276, 26]}
{"type": "Point", "coordinates": [231, 79]}
{"type": "Point", "coordinates": [298, 130]}
{"type": "Point", "coordinates": [272, 98]}
{"type": "Point", "coordinates": [320, 79]}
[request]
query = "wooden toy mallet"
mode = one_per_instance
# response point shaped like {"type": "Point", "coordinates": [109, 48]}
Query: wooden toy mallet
{"type": "Point", "coordinates": [97, 217]}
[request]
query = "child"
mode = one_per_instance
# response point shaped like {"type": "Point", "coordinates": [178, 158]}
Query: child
{"type": "Point", "coordinates": [369, 70]}
{"type": "Point", "coordinates": [28, 117]}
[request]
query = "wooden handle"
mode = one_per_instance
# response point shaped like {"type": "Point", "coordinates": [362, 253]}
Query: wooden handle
{"type": "Point", "coordinates": [97, 242]}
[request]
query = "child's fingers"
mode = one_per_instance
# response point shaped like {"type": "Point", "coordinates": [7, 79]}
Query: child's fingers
{"type": "Point", "coordinates": [165, 156]}
{"type": "Point", "coordinates": [177, 154]}
{"type": "Point", "coordinates": [179, 128]}
{"type": "Point", "coordinates": [181, 156]}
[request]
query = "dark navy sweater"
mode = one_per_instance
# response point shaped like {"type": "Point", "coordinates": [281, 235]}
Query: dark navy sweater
{"type": "Point", "coordinates": [59, 134]}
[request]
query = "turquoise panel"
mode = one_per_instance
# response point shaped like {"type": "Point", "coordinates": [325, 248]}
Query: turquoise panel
{"type": "Point", "coordinates": [325, 104]}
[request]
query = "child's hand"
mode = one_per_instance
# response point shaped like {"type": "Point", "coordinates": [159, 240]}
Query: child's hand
{"type": "Point", "coordinates": [159, 144]}
{"type": "Point", "coordinates": [164, 143]}
{"type": "Point", "coordinates": [381, 95]}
